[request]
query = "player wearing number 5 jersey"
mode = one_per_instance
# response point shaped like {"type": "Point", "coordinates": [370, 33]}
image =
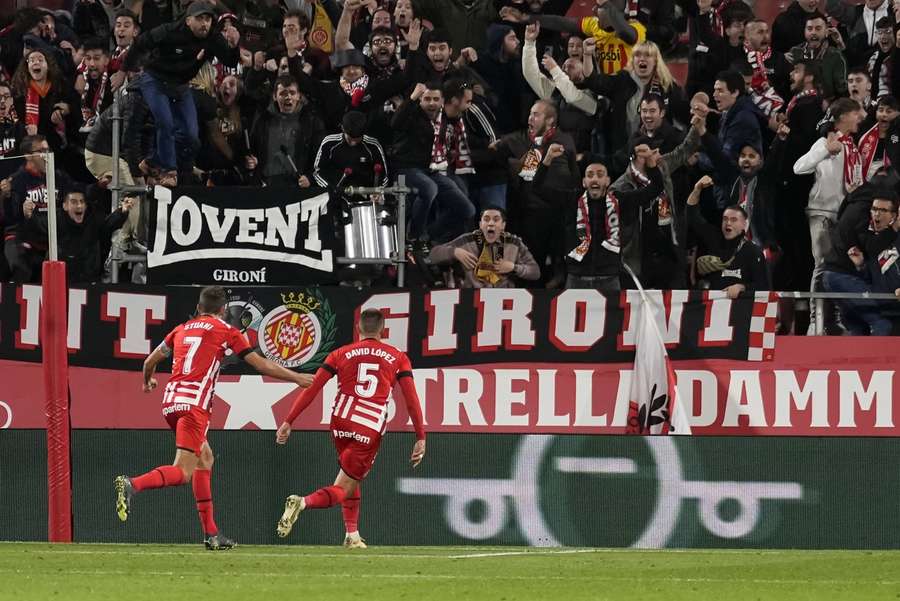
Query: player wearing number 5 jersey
{"type": "Point", "coordinates": [198, 346]}
{"type": "Point", "coordinates": [366, 371]}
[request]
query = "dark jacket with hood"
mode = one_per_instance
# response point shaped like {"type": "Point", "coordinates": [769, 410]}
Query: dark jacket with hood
{"type": "Point", "coordinates": [80, 243]}
{"type": "Point", "coordinates": [739, 127]}
{"type": "Point", "coordinates": [170, 52]}
{"type": "Point", "coordinates": [507, 84]}
{"type": "Point", "coordinates": [853, 226]}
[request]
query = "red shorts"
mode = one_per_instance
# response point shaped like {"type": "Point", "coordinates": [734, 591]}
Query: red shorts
{"type": "Point", "coordinates": [356, 446]}
{"type": "Point", "coordinates": [190, 424]}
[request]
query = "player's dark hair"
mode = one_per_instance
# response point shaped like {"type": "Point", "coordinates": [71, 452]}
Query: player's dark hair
{"type": "Point", "coordinates": [212, 299]}
{"type": "Point", "coordinates": [371, 321]}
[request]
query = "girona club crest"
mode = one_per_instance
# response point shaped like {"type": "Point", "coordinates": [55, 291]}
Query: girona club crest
{"type": "Point", "coordinates": [300, 332]}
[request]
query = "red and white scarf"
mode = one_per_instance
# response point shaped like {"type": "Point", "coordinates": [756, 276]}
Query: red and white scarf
{"type": "Point", "coordinates": [852, 163]}
{"type": "Point", "coordinates": [763, 94]}
{"type": "Point", "coordinates": [90, 107]}
{"type": "Point", "coordinates": [532, 159]}
{"type": "Point", "coordinates": [718, 23]}
{"type": "Point", "coordinates": [583, 226]}
{"type": "Point", "coordinates": [450, 148]}
{"type": "Point", "coordinates": [797, 97]}
{"type": "Point", "coordinates": [868, 145]}
{"type": "Point", "coordinates": [118, 58]}
{"type": "Point", "coordinates": [356, 90]}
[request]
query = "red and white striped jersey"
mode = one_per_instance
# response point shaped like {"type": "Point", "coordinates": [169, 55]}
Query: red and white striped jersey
{"type": "Point", "coordinates": [366, 371]}
{"type": "Point", "coordinates": [198, 347]}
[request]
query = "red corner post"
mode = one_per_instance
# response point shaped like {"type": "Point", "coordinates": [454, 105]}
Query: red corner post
{"type": "Point", "coordinates": [53, 329]}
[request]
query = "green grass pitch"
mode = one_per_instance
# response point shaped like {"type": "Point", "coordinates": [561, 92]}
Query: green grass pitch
{"type": "Point", "coordinates": [178, 572]}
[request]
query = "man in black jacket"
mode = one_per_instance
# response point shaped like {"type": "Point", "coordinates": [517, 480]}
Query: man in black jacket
{"type": "Point", "coordinates": [732, 263]}
{"type": "Point", "coordinates": [353, 91]}
{"type": "Point", "coordinates": [593, 220]}
{"type": "Point", "coordinates": [787, 30]}
{"type": "Point", "coordinates": [431, 151]}
{"type": "Point", "coordinates": [81, 233]}
{"type": "Point", "coordinates": [24, 244]}
{"type": "Point", "coordinates": [176, 52]}
{"type": "Point", "coordinates": [283, 138]}
{"type": "Point", "coordinates": [543, 172]}
{"type": "Point", "coordinates": [350, 158]}
{"type": "Point", "coordinates": [867, 224]}
{"type": "Point", "coordinates": [803, 112]}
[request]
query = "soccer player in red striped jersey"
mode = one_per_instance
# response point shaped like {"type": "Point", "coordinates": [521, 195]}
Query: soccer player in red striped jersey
{"type": "Point", "coordinates": [366, 371]}
{"type": "Point", "coordinates": [198, 345]}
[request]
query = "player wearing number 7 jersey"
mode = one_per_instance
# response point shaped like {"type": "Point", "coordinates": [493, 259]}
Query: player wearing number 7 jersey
{"type": "Point", "coordinates": [198, 346]}
{"type": "Point", "coordinates": [366, 371]}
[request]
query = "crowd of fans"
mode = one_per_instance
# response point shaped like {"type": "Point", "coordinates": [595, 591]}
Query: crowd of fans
{"type": "Point", "coordinates": [544, 150]}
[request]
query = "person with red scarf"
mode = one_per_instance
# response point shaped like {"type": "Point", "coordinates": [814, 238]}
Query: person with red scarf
{"type": "Point", "coordinates": [837, 165]}
{"type": "Point", "coordinates": [93, 81]}
{"type": "Point", "coordinates": [879, 143]}
{"type": "Point", "coordinates": [770, 83]}
{"type": "Point", "coordinates": [45, 101]}
{"type": "Point", "coordinates": [353, 91]}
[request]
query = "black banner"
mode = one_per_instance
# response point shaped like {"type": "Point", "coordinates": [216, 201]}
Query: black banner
{"type": "Point", "coordinates": [116, 327]}
{"type": "Point", "coordinates": [241, 236]}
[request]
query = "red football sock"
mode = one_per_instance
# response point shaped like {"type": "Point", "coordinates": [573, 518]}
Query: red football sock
{"type": "Point", "coordinates": [327, 496]}
{"type": "Point", "coordinates": [158, 477]}
{"type": "Point", "coordinates": [201, 483]}
{"type": "Point", "coordinates": [350, 509]}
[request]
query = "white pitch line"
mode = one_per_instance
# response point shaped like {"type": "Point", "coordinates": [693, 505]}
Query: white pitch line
{"type": "Point", "coordinates": [532, 552]}
{"type": "Point", "coordinates": [464, 577]}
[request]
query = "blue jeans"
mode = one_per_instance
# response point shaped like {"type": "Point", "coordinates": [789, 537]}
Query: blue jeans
{"type": "Point", "coordinates": [861, 317]}
{"type": "Point", "coordinates": [176, 123]}
{"type": "Point", "coordinates": [489, 197]}
{"type": "Point", "coordinates": [448, 194]}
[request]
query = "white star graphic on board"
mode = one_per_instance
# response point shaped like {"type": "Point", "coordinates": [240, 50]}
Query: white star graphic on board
{"type": "Point", "coordinates": [251, 400]}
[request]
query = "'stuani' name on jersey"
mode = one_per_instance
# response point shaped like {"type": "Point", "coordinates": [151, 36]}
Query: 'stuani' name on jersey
{"type": "Point", "coordinates": [198, 325]}
{"type": "Point", "coordinates": [377, 352]}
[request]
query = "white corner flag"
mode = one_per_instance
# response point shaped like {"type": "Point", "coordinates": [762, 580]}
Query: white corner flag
{"type": "Point", "coordinates": [653, 407]}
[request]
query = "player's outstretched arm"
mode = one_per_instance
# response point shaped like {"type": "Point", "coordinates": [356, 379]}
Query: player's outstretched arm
{"type": "Point", "coordinates": [414, 408]}
{"type": "Point", "coordinates": [272, 369]}
{"type": "Point", "coordinates": [303, 400]}
{"type": "Point", "coordinates": [158, 355]}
